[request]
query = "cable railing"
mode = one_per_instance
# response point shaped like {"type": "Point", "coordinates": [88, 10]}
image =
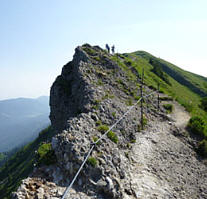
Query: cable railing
{"type": "Point", "coordinates": [99, 139]}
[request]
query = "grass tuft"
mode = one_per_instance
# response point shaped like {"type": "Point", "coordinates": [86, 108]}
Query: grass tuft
{"type": "Point", "coordinates": [92, 161]}
{"type": "Point", "coordinates": [113, 137]}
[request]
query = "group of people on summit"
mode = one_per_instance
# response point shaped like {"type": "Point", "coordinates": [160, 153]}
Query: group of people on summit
{"type": "Point", "coordinates": [112, 48]}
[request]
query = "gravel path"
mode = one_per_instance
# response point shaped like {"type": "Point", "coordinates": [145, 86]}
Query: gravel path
{"type": "Point", "coordinates": [165, 167]}
{"type": "Point", "coordinates": [180, 116]}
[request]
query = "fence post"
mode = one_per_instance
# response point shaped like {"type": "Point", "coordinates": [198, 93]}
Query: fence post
{"type": "Point", "coordinates": [142, 119]}
{"type": "Point", "coordinates": [158, 96]}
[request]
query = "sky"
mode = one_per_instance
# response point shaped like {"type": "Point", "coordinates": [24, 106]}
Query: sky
{"type": "Point", "coordinates": [38, 37]}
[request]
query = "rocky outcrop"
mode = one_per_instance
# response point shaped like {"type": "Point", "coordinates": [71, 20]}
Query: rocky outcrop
{"type": "Point", "coordinates": [71, 92]}
{"type": "Point", "coordinates": [92, 92]}
{"type": "Point", "coordinates": [97, 98]}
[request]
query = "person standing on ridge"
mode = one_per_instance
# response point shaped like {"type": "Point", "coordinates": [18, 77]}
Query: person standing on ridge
{"type": "Point", "coordinates": [108, 48]}
{"type": "Point", "coordinates": [113, 49]}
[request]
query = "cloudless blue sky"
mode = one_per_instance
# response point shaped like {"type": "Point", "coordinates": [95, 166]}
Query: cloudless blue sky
{"type": "Point", "coordinates": [38, 37]}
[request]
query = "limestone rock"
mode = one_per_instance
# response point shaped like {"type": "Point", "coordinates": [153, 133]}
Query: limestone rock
{"type": "Point", "coordinates": [93, 90]}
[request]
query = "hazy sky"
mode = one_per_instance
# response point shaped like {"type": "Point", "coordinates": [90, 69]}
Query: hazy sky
{"type": "Point", "coordinates": [37, 37]}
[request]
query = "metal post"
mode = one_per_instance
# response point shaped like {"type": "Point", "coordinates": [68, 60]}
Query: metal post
{"type": "Point", "coordinates": [158, 96]}
{"type": "Point", "coordinates": [142, 119]}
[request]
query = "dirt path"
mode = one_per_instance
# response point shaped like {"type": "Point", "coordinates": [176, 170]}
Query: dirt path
{"type": "Point", "coordinates": [164, 166]}
{"type": "Point", "coordinates": [179, 114]}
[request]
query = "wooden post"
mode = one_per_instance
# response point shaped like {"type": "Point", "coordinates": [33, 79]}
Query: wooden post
{"type": "Point", "coordinates": [158, 96]}
{"type": "Point", "coordinates": [142, 119]}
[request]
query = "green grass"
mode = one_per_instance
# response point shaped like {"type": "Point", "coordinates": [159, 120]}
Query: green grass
{"type": "Point", "coordinates": [45, 154]}
{"type": "Point", "coordinates": [202, 148]}
{"type": "Point", "coordinates": [92, 161]}
{"type": "Point", "coordinates": [204, 103]}
{"type": "Point", "coordinates": [20, 165]}
{"type": "Point", "coordinates": [89, 50]}
{"type": "Point", "coordinates": [113, 137]}
{"type": "Point", "coordinates": [98, 123]}
{"type": "Point", "coordinates": [144, 121]}
{"type": "Point", "coordinates": [133, 141]}
{"type": "Point", "coordinates": [113, 114]}
{"type": "Point", "coordinates": [95, 139]}
{"type": "Point", "coordinates": [102, 128]}
{"type": "Point", "coordinates": [166, 98]}
{"type": "Point", "coordinates": [198, 126]}
{"type": "Point", "coordinates": [185, 87]}
{"type": "Point", "coordinates": [184, 95]}
{"type": "Point", "coordinates": [96, 104]}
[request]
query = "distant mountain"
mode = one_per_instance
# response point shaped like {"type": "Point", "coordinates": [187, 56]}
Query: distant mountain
{"type": "Point", "coordinates": [21, 119]}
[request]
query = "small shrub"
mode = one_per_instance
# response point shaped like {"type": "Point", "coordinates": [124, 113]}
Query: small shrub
{"type": "Point", "coordinates": [168, 107]}
{"type": "Point", "coordinates": [188, 107]}
{"type": "Point", "coordinates": [95, 139]}
{"type": "Point", "coordinates": [204, 103]}
{"type": "Point", "coordinates": [161, 91]}
{"type": "Point", "coordinates": [98, 123]}
{"type": "Point", "coordinates": [46, 154]}
{"type": "Point", "coordinates": [132, 140]}
{"type": "Point", "coordinates": [202, 148]}
{"type": "Point", "coordinates": [100, 83]}
{"type": "Point", "coordinates": [152, 87]}
{"type": "Point", "coordinates": [97, 58]}
{"type": "Point", "coordinates": [113, 114]}
{"type": "Point", "coordinates": [144, 121]}
{"type": "Point", "coordinates": [89, 50]}
{"type": "Point", "coordinates": [103, 128]}
{"type": "Point", "coordinates": [166, 98]}
{"type": "Point", "coordinates": [128, 62]}
{"type": "Point", "coordinates": [92, 161]}
{"type": "Point", "coordinates": [96, 104]}
{"type": "Point", "coordinates": [112, 136]}
{"type": "Point", "coordinates": [137, 97]}
{"type": "Point", "coordinates": [197, 125]}
{"type": "Point", "coordinates": [128, 145]}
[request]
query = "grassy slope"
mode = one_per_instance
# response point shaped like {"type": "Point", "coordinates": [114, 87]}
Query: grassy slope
{"type": "Point", "coordinates": [181, 93]}
{"type": "Point", "coordinates": [197, 80]}
{"type": "Point", "coordinates": [20, 165]}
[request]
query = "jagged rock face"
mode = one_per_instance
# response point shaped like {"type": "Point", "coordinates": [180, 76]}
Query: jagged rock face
{"type": "Point", "coordinates": [97, 92]}
{"type": "Point", "coordinates": [95, 89]}
{"type": "Point", "coordinates": [70, 93]}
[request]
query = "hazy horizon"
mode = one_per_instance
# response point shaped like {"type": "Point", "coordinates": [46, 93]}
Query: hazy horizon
{"type": "Point", "coordinates": [39, 37]}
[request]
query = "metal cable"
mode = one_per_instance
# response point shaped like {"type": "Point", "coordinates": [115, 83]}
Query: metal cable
{"type": "Point", "coordinates": [122, 117]}
{"type": "Point", "coordinates": [93, 144]}
{"type": "Point", "coordinates": [71, 184]}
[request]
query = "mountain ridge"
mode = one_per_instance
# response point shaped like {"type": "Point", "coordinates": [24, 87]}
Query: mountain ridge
{"type": "Point", "coordinates": [92, 92]}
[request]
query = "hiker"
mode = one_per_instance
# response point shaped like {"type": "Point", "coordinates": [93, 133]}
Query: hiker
{"type": "Point", "coordinates": [113, 49]}
{"type": "Point", "coordinates": [108, 48]}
